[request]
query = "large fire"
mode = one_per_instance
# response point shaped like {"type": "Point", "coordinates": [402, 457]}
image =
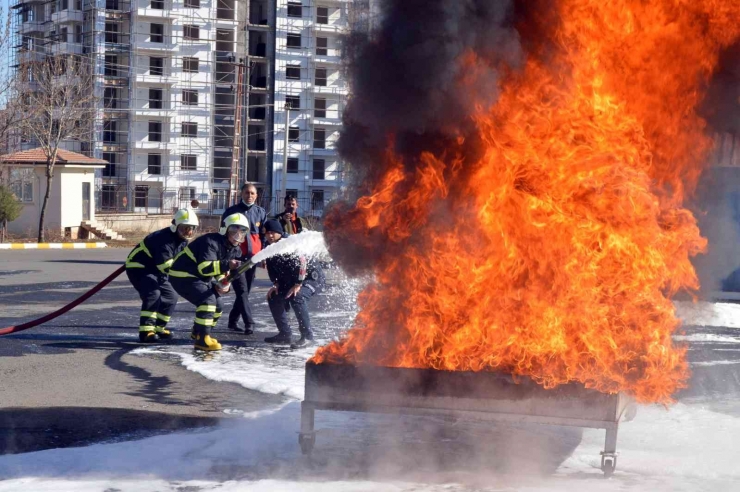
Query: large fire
{"type": "Point", "coordinates": [555, 254]}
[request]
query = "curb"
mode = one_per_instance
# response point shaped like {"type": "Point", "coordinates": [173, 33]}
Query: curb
{"type": "Point", "coordinates": [52, 245]}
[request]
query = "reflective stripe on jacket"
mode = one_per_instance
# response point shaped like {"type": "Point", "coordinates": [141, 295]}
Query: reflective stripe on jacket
{"type": "Point", "coordinates": [156, 252]}
{"type": "Point", "coordinates": [205, 258]}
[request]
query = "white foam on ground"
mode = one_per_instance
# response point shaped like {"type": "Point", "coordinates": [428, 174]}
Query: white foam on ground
{"type": "Point", "coordinates": [277, 371]}
{"type": "Point", "coordinates": [716, 363]}
{"type": "Point", "coordinates": [685, 448]}
{"type": "Point", "coordinates": [706, 338]}
{"type": "Point", "coordinates": [709, 313]}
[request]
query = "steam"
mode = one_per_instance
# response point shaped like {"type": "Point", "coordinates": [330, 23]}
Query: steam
{"type": "Point", "coordinates": [717, 202]}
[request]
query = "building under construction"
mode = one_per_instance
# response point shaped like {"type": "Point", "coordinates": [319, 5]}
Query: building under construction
{"type": "Point", "coordinates": [194, 95]}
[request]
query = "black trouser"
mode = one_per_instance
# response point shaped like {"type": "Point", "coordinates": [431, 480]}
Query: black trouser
{"type": "Point", "coordinates": [242, 286]}
{"type": "Point", "coordinates": [208, 304]}
{"type": "Point", "coordinates": [158, 298]}
{"type": "Point", "coordinates": [279, 306]}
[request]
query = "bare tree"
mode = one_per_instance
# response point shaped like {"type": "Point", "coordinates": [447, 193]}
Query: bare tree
{"type": "Point", "coordinates": [57, 104]}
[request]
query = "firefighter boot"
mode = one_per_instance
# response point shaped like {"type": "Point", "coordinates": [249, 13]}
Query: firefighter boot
{"type": "Point", "coordinates": [205, 342]}
{"type": "Point", "coordinates": [147, 337]}
{"type": "Point", "coordinates": [163, 333]}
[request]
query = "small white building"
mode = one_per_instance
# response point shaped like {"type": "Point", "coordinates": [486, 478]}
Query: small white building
{"type": "Point", "coordinates": [71, 200]}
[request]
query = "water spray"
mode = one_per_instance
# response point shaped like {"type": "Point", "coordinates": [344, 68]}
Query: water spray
{"type": "Point", "coordinates": [310, 243]}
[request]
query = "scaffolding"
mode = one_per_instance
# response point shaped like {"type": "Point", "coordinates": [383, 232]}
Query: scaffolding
{"type": "Point", "coordinates": [186, 95]}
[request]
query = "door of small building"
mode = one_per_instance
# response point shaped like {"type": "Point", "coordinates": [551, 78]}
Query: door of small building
{"type": "Point", "coordinates": [85, 201]}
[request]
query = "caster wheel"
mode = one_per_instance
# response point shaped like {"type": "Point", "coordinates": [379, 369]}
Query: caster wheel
{"type": "Point", "coordinates": [306, 442]}
{"type": "Point", "coordinates": [607, 466]}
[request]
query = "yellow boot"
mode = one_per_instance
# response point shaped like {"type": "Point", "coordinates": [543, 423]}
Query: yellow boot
{"type": "Point", "coordinates": [207, 343]}
{"type": "Point", "coordinates": [163, 333]}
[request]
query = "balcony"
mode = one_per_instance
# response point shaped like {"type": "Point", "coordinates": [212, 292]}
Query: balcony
{"type": "Point", "coordinates": [144, 109]}
{"type": "Point", "coordinates": [156, 13]}
{"type": "Point", "coordinates": [332, 28]}
{"type": "Point", "coordinates": [329, 151]}
{"type": "Point", "coordinates": [32, 26]}
{"type": "Point", "coordinates": [335, 89]}
{"type": "Point", "coordinates": [329, 120]}
{"type": "Point", "coordinates": [66, 16]}
{"type": "Point", "coordinates": [147, 78]}
{"type": "Point", "coordinates": [225, 21]}
{"type": "Point", "coordinates": [147, 145]}
{"type": "Point", "coordinates": [66, 48]}
{"type": "Point", "coordinates": [328, 59]}
{"type": "Point", "coordinates": [29, 56]}
{"type": "Point", "coordinates": [145, 44]}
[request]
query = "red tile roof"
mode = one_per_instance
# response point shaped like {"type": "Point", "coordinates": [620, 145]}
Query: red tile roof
{"type": "Point", "coordinates": [36, 156]}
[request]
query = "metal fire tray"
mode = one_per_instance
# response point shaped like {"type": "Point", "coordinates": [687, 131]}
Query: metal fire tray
{"type": "Point", "coordinates": [477, 395]}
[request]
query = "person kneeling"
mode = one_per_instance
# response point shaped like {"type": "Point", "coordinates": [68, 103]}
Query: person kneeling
{"type": "Point", "coordinates": [197, 270]}
{"type": "Point", "coordinates": [296, 280]}
{"type": "Point", "coordinates": [147, 267]}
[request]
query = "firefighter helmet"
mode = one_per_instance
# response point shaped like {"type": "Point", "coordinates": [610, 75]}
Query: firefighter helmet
{"type": "Point", "coordinates": [236, 219]}
{"type": "Point", "coordinates": [184, 216]}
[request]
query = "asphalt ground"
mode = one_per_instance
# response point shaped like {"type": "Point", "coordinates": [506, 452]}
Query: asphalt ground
{"type": "Point", "coordinates": [72, 381]}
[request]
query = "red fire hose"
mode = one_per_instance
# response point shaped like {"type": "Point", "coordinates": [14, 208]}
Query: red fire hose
{"type": "Point", "coordinates": [13, 329]}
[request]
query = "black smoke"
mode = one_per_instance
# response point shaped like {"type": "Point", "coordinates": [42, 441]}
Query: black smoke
{"type": "Point", "coordinates": [721, 104]}
{"type": "Point", "coordinates": [406, 74]}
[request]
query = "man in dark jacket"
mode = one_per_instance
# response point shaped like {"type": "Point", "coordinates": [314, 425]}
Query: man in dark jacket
{"type": "Point", "coordinates": [197, 270]}
{"type": "Point", "coordinates": [296, 279]}
{"type": "Point", "coordinates": [147, 267]}
{"type": "Point", "coordinates": [289, 220]}
{"type": "Point", "coordinates": [243, 283]}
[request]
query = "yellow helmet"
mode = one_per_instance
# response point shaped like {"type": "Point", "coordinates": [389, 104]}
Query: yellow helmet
{"type": "Point", "coordinates": [184, 216]}
{"type": "Point", "coordinates": [236, 219]}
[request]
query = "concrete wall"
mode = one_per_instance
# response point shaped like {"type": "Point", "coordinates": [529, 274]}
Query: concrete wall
{"type": "Point", "coordinates": [146, 223]}
{"type": "Point", "coordinates": [137, 223]}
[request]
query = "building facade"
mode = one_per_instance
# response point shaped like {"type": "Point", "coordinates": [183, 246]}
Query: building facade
{"type": "Point", "coordinates": [310, 96]}
{"type": "Point", "coordinates": [194, 96]}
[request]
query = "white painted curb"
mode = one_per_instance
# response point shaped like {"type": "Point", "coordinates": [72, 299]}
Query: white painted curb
{"type": "Point", "coordinates": [52, 245]}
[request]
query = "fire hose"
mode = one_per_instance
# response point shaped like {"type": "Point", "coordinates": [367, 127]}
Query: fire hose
{"type": "Point", "coordinates": [30, 324]}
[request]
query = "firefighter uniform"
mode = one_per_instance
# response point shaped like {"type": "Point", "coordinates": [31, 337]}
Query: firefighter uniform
{"type": "Point", "coordinates": [147, 267]}
{"type": "Point", "coordinates": [194, 274]}
{"type": "Point", "coordinates": [253, 245]}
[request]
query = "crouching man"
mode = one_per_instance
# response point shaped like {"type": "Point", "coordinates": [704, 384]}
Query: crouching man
{"type": "Point", "coordinates": [147, 267]}
{"type": "Point", "coordinates": [295, 280]}
{"type": "Point", "coordinates": [197, 270]}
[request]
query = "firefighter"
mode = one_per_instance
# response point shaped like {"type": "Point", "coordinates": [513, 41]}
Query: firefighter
{"type": "Point", "coordinates": [253, 245]}
{"type": "Point", "coordinates": [295, 280]}
{"type": "Point", "coordinates": [147, 267]}
{"type": "Point", "coordinates": [197, 270]}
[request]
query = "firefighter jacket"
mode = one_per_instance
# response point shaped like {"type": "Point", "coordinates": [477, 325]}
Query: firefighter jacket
{"type": "Point", "coordinates": [205, 258]}
{"type": "Point", "coordinates": [156, 253]}
{"type": "Point", "coordinates": [256, 216]}
{"type": "Point", "coordinates": [296, 226]}
{"type": "Point", "coordinates": [287, 270]}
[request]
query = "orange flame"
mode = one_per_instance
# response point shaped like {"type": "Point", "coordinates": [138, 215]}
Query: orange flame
{"type": "Point", "coordinates": [555, 255]}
